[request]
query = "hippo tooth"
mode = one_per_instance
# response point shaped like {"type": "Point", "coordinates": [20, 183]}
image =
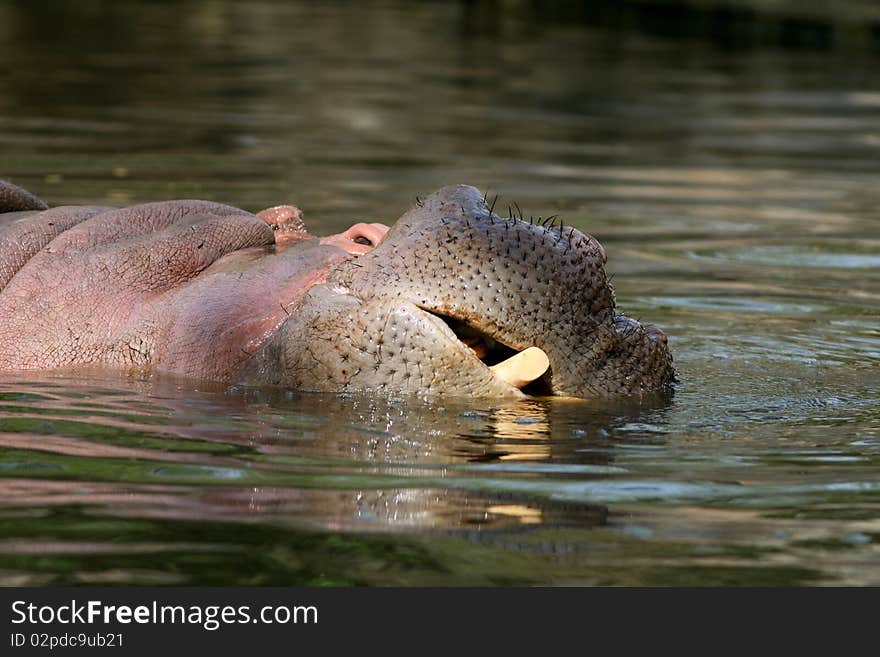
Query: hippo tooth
{"type": "Point", "coordinates": [522, 368]}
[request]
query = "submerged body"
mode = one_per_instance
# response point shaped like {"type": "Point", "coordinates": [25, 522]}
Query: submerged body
{"type": "Point", "coordinates": [209, 291]}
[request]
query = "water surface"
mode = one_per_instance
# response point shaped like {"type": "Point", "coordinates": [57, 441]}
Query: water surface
{"type": "Point", "coordinates": [734, 189]}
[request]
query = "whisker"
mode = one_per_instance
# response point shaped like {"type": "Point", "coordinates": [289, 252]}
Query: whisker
{"type": "Point", "coordinates": [518, 210]}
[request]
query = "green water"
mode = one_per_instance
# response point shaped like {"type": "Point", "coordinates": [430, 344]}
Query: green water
{"type": "Point", "coordinates": [734, 187]}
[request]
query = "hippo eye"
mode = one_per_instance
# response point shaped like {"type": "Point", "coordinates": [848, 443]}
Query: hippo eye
{"type": "Point", "coordinates": [363, 240]}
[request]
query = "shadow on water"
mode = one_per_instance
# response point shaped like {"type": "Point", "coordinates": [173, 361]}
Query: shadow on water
{"type": "Point", "coordinates": [726, 157]}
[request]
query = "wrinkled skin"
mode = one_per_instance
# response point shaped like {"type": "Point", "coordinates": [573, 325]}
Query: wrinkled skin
{"type": "Point", "coordinates": [209, 291]}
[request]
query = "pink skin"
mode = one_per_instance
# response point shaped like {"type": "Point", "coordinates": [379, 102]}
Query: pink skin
{"type": "Point", "coordinates": [348, 241]}
{"type": "Point", "coordinates": [289, 228]}
{"type": "Point", "coordinates": [247, 320]}
{"type": "Point", "coordinates": [187, 287]}
{"type": "Point", "coordinates": [215, 301]}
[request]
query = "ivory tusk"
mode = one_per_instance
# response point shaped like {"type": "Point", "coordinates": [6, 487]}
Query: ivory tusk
{"type": "Point", "coordinates": [523, 368]}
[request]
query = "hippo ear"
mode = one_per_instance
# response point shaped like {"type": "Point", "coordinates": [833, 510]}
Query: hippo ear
{"type": "Point", "coordinates": [15, 199]}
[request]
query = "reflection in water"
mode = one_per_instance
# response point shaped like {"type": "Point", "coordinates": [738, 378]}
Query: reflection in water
{"type": "Point", "coordinates": [86, 462]}
{"type": "Point", "coordinates": [726, 159]}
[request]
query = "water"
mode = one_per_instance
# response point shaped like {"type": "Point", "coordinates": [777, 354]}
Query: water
{"type": "Point", "coordinates": [733, 188]}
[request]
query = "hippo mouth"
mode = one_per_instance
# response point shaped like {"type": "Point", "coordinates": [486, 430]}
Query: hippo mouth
{"type": "Point", "coordinates": [526, 370]}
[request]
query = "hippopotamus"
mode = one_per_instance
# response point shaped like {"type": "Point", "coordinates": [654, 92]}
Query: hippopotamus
{"type": "Point", "coordinates": [451, 300]}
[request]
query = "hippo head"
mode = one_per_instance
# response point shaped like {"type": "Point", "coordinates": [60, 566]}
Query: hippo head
{"type": "Point", "coordinates": [451, 291]}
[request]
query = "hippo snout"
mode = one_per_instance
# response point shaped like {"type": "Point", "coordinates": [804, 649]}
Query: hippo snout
{"type": "Point", "coordinates": [451, 295]}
